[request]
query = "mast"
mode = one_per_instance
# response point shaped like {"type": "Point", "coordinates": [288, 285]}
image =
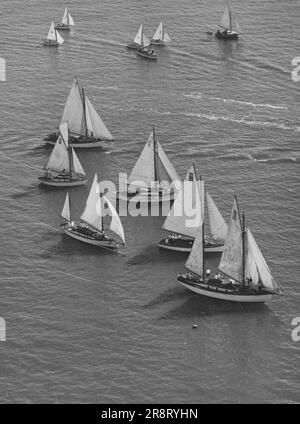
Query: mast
{"type": "Point", "coordinates": [156, 176]}
{"type": "Point", "coordinates": [243, 247]}
{"type": "Point", "coordinates": [230, 21]}
{"type": "Point", "coordinates": [84, 111]}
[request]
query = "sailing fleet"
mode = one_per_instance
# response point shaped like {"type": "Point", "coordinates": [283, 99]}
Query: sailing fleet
{"type": "Point", "coordinates": [243, 274]}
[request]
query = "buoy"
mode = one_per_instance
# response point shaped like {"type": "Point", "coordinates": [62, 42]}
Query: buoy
{"type": "Point", "coordinates": [195, 326]}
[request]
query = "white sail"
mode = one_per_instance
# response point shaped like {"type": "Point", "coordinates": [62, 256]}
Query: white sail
{"type": "Point", "coordinates": [116, 224]}
{"type": "Point", "coordinates": [143, 170]}
{"type": "Point", "coordinates": [145, 40]}
{"type": "Point", "coordinates": [92, 213]}
{"type": "Point", "coordinates": [138, 37]}
{"type": "Point", "coordinates": [194, 262]}
{"type": "Point", "coordinates": [256, 260]}
{"type": "Point", "coordinates": [217, 224]}
{"type": "Point", "coordinates": [59, 158]}
{"type": "Point", "coordinates": [169, 168]}
{"type": "Point", "coordinates": [225, 21]}
{"type": "Point", "coordinates": [73, 111]}
{"type": "Point", "coordinates": [94, 123]}
{"type": "Point", "coordinates": [161, 34]}
{"type": "Point", "coordinates": [64, 131]}
{"type": "Point", "coordinates": [77, 165]}
{"type": "Point", "coordinates": [71, 20]}
{"type": "Point", "coordinates": [65, 17]}
{"type": "Point", "coordinates": [175, 222]}
{"type": "Point", "coordinates": [52, 33]}
{"type": "Point", "coordinates": [232, 257]}
{"type": "Point", "coordinates": [238, 27]}
{"type": "Point", "coordinates": [200, 184]}
{"type": "Point", "coordinates": [158, 35]}
{"type": "Point", "coordinates": [166, 39]}
{"type": "Point", "coordinates": [59, 38]}
{"type": "Point", "coordinates": [66, 213]}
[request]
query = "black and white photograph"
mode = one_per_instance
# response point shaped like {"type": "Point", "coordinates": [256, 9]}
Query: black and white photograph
{"type": "Point", "coordinates": [149, 216]}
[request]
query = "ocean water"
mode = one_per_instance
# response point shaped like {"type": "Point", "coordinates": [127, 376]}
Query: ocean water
{"type": "Point", "coordinates": [85, 325]}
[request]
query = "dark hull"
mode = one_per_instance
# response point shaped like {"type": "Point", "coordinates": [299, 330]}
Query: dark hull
{"type": "Point", "coordinates": [62, 27]}
{"type": "Point", "coordinates": [133, 46]}
{"type": "Point", "coordinates": [50, 43]}
{"type": "Point", "coordinates": [63, 181]}
{"type": "Point", "coordinates": [146, 55]}
{"type": "Point", "coordinates": [79, 142]}
{"type": "Point", "coordinates": [226, 35]}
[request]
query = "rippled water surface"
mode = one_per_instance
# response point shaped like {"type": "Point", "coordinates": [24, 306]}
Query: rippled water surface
{"type": "Point", "coordinates": [84, 325]}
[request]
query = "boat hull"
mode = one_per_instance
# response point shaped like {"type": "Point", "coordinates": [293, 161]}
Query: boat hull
{"type": "Point", "coordinates": [78, 145]}
{"type": "Point", "coordinates": [222, 293]}
{"type": "Point", "coordinates": [62, 183]}
{"type": "Point", "coordinates": [146, 198]}
{"type": "Point", "coordinates": [133, 46]}
{"type": "Point", "coordinates": [50, 43]}
{"type": "Point", "coordinates": [227, 35]}
{"type": "Point", "coordinates": [146, 55]}
{"type": "Point", "coordinates": [186, 246]}
{"type": "Point", "coordinates": [105, 244]}
{"type": "Point", "coordinates": [157, 43]}
{"type": "Point", "coordinates": [62, 27]}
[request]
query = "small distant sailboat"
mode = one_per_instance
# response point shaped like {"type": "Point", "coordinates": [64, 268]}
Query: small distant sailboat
{"type": "Point", "coordinates": [225, 30]}
{"type": "Point", "coordinates": [53, 38]}
{"type": "Point", "coordinates": [160, 37]}
{"type": "Point", "coordinates": [182, 237]}
{"type": "Point", "coordinates": [91, 228]}
{"type": "Point", "coordinates": [63, 168]}
{"type": "Point", "coordinates": [67, 22]}
{"type": "Point", "coordinates": [86, 127]}
{"type": "Point", "coordinates": [145, 50]}
{"type": "Point", "coordinates": [151, 170]}
{"type": "Point", "coordinates": [137, 42]}
{"type": "Point", "coordinates": [244, 275]}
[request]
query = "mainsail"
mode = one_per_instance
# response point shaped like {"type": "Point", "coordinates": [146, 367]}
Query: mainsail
{"type": "Point", "coordinates": [177, 217]}
{"type": "Point", "coordinates": [161, 34]}
{"type": "Point", "coordinates": [83, 120]}
{"type": "Point", "coordinates": [65, 213]}
{"type": "Point", "coordinates": [226, 18]}
{"type": "Point", "coordinates": [59, 158]}
{"type": "Point", "coordinates": [67, 18]}
{"type": "Point", "coordinates": [92, 213]}
{"type": "Point", "coordinates": [231, 262]}
{"type": "Point", "coordinates": [152, 165]}
{"type": "Point", "coordinates": [116, 224]}
{"type": "Point", "coordinates": [194, 262]}
{"type": "Point", "coordinates": [95, 125]}
{"type": "Point", "coordinates": [138, 37]}
{"type": "Point", "coordinates": [256, 266]}
{"type": "Point", "coordinates": [52, 33]}
{"type": "Point", "coordinates": [217, 224]}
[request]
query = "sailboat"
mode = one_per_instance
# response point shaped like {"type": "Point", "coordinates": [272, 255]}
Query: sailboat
{"type": "Point", "coordinates": [86, 127]}
{"type": "Point", "coordinates": [160, 37]}
{"type": "Point", "coordinates": [182, 236]}
{"type": "Point", "coordinates": [145, 50]}
{"type": "Point", "coordinates": [67, 22]}
{"type": "Point", "coordinates": [244, 275]}
{"type": "Point", "coordinates": [225, 30]}
{"type": "Point", "coordinates": [53, 38]}
{"type": "Point", "coordinates": [151, 178]}
{"type": "Point", "coordinates": [63, 168]}
{"type": "Point", "coordinates": [91, 228]}
{"type": "Point", "coordinates": [137, 42]}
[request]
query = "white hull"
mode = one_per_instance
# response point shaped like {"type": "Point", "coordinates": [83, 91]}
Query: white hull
{"type": "Point", "coordinates": [227, 296]}
{"type": "Point", "coordinates": [107, 244]}
{"type": "Point", "coordinates": [154, 199]}
{"type": "Point", "coordinates": [53, 183]}
{"type": "Point", "coordinates": [217, 249]}
{"type": "Point", "coordinates": [81, 145]}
